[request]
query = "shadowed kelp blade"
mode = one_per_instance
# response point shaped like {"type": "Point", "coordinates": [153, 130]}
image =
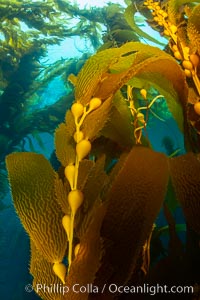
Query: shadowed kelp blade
{"type": "Point", "coordinates": [134, 202]}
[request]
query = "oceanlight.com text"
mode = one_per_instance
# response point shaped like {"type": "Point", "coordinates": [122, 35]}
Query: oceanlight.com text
{"type": "Point", "coordinates": [111, 288]}
{"type": "Point", "coordinates": [151, 289]}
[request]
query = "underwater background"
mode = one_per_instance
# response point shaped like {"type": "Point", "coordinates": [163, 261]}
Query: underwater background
{"type": "Point", "coordinates": [44, 45]}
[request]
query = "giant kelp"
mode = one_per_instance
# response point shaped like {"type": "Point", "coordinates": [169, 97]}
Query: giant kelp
{"type": "Point", "coordinates": [107, 215]}
{"type": "Point", "coordinates": [91, 222]}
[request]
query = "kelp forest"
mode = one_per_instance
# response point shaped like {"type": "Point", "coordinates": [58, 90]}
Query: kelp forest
{"type": "Point", "coordinates": [107, 212]}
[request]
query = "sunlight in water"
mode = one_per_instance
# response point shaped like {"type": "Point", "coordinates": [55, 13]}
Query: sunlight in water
{"type": "Point", "coordinates": [97, 3]}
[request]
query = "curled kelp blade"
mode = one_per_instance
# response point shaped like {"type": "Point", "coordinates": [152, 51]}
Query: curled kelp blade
{"type": "Point", "coordinates": [134, 201]}
{"type": "Point", "coordinates": [109, 70]}
{"type": "Point", "coordinates": [95, 78]}
{"type": "Point", "coordinates": [31, 179]}
{"type": "Point", "coordinates": [185, 174]}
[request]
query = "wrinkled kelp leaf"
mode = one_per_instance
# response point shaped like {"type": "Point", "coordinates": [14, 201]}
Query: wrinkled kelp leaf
{"type": "Point", "coordinates": [185, 174]}
{"type": "Point", "coordinates": [92, 74]}
{"type": "Point", "coordinates": [43, 275]}
{"type": "Point", "coordinates": [32, 183]}
{"type": "Point", "coordinates": [130, 11]}
{"type": "Point", "coordinates": [65, 145]}
{"type": "Point", "coordinates": [134, 201]}
{"type": "Point", "coordinates": [62, 188]}
{"type": "Point", "coordinates": [83, 267]}
{"type": "Point", "coordinates": [72, 78]}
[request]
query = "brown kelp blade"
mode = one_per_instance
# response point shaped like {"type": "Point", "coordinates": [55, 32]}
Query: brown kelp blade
{"type": "Point", "coordinates": [134, 202]}
{"type": "Point", "coordinates": [185, 174]}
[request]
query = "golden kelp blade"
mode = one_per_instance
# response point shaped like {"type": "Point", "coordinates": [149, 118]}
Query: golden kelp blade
{"type": "Point", "coordinates": [82, 270]}
{"type": "Point", "coordinates": [43, 275]}
{"type": "Point", "coordinates": [32, 183]}
{"type": "Point", "coordinates": [134, 202]}
{"type": "Point", "coordinates": [185, 174]}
